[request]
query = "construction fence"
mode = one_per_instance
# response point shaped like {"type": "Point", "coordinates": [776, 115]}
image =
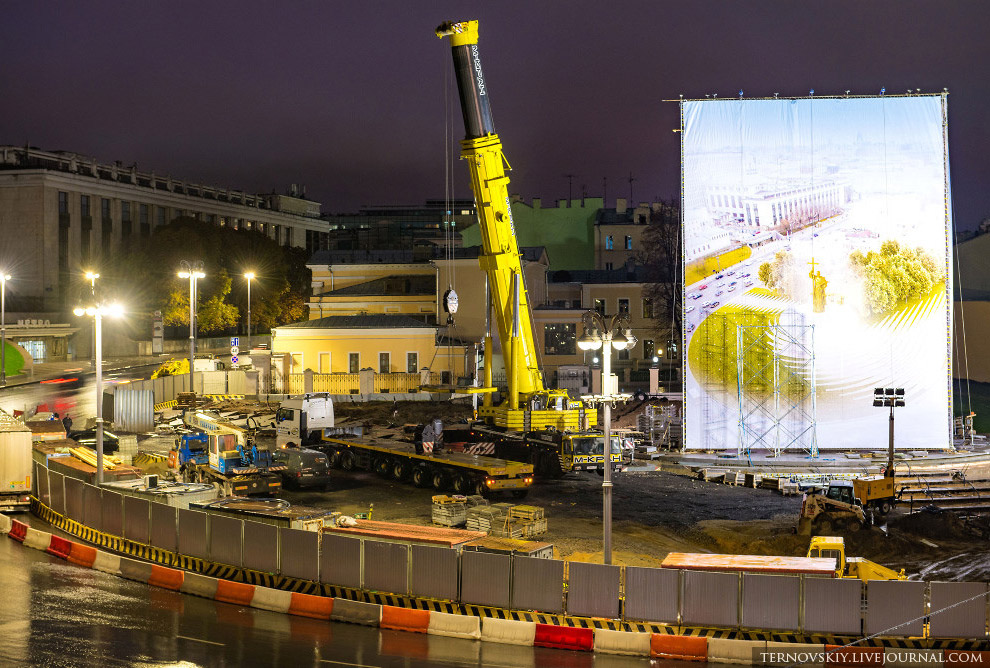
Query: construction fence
{"type": "Point", "coordinates": [789, 604]}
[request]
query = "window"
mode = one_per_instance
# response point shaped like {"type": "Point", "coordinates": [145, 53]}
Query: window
{"type": "Point", "coordinates": [576, 303]}
{"type": "Point", "coordinates": [144, 220]}
{"type": "Point", "coordinates": [559, 338]}
{"type": "Point", "coordinates": [608, 266]}
{"type": "Point", "coordinates": [63, 203]}
{"type": "Point", "coordinates": [324, 362]}
{"type": "Point", "coordinates": [125, 220]}
{"type": "Point", "coordinates": [353, 362]}
{"type": "Point", "coordinates": [624, 306]}
{"type": "Point", "coordinates": [600, 306]}
{"type": "Point", "coordinates": [649, 349]}
{"type": "Point", "coordinates": [384, 362]}
{"type": "Point", "coordinates": [647, 308]}
{"type": "Point", "coordinates": [412, 362]}
{"type": "Point", "coordinates": [628, 242]}
{"type": "Point", "coordinates": [161, 215]}
{"type": "Point", "coordinates": [104, 209]}
{"type": "Point", "coordinates": [84, 205]}
{"type": "Point", "coordinates": [624, 354]}
{"type": "Point", "coordinates": [609, 243]}
{"type": "Point", "coordinates": [106, 224]}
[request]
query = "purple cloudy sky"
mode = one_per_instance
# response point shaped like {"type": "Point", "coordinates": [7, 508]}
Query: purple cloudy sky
{"type": "Point", "coordinates": [348, 97]}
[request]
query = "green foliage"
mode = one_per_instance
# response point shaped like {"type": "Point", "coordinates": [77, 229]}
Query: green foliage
{"type": "Point", "coordinates": [894, 275]}
{"type": "Point", "coordinates": [778, 273]}
{"type": "Point", "coordinates": [172, 368]}
{"type": "Point", "coordinates": [145, 277]}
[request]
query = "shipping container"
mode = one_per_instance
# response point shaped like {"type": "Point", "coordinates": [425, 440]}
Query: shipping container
{"type": "Point", "coordinates": [15, 463]}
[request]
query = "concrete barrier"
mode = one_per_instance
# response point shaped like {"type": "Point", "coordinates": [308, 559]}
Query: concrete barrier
{"type": "Point", "coordinates": [238, 593]}
{"type": "Point", "coordinates": [106, 562]}
{"type": "Point", "coordinates": [564, 637]}
{"type": "Point", "coordinates": [454, 626]}
{"type": "Point", "coordinates": [308, 605]}
{"type": "Point", "coordinates": [405, 619]}
{"type": "Point", "coordinates": [5, 523]}
{"type": "Point", "coordinates": [721, 650]}
{"type": "Point", "coordinates": [894, 657]}
{"type": "Point", "coordinates": [166, 578]}
{"type": "Point", "coordinates": [621, 642]}
{"type": "Point", "coordinates": [683, 648]}
{"type": "Point", "coordinates": [356, 612]}
{"type": "Point", "coordinates": [39, 540]}
{"type": "Point", "coordinates": [199, 585]}
{"type": "Point", "coordinates": [17, 530]}
{"type": "Point", "coordinates": [139, 571]}
{"type": "Point", "coordinates": [508, 631]}
{"type": "Point", "coordinates": [275, 600]}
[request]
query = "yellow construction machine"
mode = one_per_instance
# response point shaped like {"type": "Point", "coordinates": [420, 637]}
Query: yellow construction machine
{"type": "Point", "coordinates": [834, 547]}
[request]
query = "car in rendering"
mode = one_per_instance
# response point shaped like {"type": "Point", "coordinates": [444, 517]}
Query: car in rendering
{"type": "Point", "coordinates": [689, 309]}
{"type": "Point", "coordinates": [697, 295]}
{"type": "Point", "coordinates": [720, 277]}
{"type": "Point", "coordinates": [749, 283]}
{"type": "Point", "coordinates": [715, 304]}
{"type": "Point", "coordinates": [731, 287]}
{"type": "Point", "coordinates": [304, 468]}
{"type": "Point", "coordinates": [730, 273]}
{"type": "Point", "coordinates": [703, 287]}
{"type": "Point", "coordinates": [719, 293]}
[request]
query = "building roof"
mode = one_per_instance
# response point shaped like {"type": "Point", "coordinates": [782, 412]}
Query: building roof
{"type": "Point", "coordinates": [627, 273]}
{"type": "Point", "coordinates": [364, 321]}
{"type": "Point", "coordinates": [424, 253]}
{"type": "Point", "coordinates": [395, 286]}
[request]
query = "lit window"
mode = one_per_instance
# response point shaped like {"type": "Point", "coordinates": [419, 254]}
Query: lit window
{"type": "Point", "coordinates": [608, 242]}
{"type": "Point", "coordinates": [559, 338]}
{"type": "Point", "coordinates": [628, 242]}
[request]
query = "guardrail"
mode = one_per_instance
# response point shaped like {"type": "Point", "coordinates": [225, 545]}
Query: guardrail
{"type": "Point", "coordinates": [696, 602]}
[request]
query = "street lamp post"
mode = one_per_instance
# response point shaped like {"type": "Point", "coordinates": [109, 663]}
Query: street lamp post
{"type": "Point", "coordinates": [249, 276]}
{"type": "Point", "coordinates": [97, 313]}
{"type": "Point", "coordinates": [91, 277]}
{"type": "Point", "coordinates": [892, 397]}
{"type": "Point", "coordinates": [597, 334]}
{"type": "Point", "coordinates": [192, 271]}
{"type": "Point", "coordinates": [3, 327]}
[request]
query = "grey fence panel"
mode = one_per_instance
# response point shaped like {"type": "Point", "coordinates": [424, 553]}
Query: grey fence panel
{"type": "Point", "coordinates": [386, 566]}
{"type": "Point", "coordinates": [214, 382]}
{"type": "Point", "coordinates": [434, 572]}
{"type": "Point", "coordinates": [485, 578]}
{"type": "Point", "coordinates": [113, 512]}
{"type": "Point", "coordinates": [225, 540]}
{"type": "Point", "coordinates": [340, 561]}
{"type": "Point", "coordinates": [137, 519]}
{"type": "Point", "coordinates": [710, 599]}
{"type": "Point", "coordinates": [93, 507]}
{"type": "Point", "coordinates": [35, 471]}
{"type": "Point", "coordinates": [56, 486]}
{"type": "Point", "coordinates": [891, 603]}
{"type": "Point", "coordinates": [652, 594]}
{"type": "Point", "coordinates": [593, 590]}
{"type": "Point", "coordinates": [44, 495]}
{"type": "Point", "coordinates": [538, 584]}
{"type": "Point", "coordinates": [74, 499]}
{"type": "Point", "coordinates": [192, 533]}
{"type": "Point", "coordinates": [134, 410]}
{"type": "Point", "coordinates": [261, 547]}
{"type": "Point", "coordinates": [236, 382]}
{"type": "Point", "coordinates": [299, 554]}
{"type": "Point", "coordinates": [832, 606]}
{"type": "Point", "coordinates": [164, 520]}
{"type": "Point", "coordinates": [771, 601]}
{"type": "Point", "coordinates": [967, 620]}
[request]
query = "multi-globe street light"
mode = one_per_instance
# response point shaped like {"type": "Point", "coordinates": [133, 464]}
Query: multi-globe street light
{"type": "Point", "coordinates": [4, 277]}
{"type": "Point", "coordinates": [192, 271]}
{"type": "Point", "coordinates": [249, 276]}
{"type": "Point", "coordinates": [98, 312]}
{"type": "Point", "coordinates": [607, 335]}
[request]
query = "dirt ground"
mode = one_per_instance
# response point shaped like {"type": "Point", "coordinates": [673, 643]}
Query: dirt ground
{"type": "Point", "coordinates": [660, 512]}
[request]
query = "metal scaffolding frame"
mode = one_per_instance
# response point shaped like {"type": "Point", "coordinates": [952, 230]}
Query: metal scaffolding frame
{"type": "Point", "coordinates": [775, 382]}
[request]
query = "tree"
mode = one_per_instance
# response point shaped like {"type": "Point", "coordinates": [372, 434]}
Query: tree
{"type": "Point", "coordinates": [778, 273]}
{"type": "Point", "coordinates": [894, 275]}
{"type": "Point", "coordinates": [660, 255]}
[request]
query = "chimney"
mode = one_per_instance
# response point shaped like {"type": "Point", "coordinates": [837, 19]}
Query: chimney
{"type": "Point", "coordinates": [620, 205]}
{"type": "Point", "coordinates": [537, 203]}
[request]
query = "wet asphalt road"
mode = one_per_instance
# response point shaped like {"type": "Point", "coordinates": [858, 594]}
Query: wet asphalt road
{"type": "Point", "coordinates": [57, 614]}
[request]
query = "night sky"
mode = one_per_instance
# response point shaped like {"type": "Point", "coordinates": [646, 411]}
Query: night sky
{"type": "Point", "coordinates": [348, 97]}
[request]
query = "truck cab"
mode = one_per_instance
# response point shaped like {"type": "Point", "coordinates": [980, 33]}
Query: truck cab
{"type": "Point", "coordinates": [858, 568]}
{"type": "Point", "coordinates": [299, 420]}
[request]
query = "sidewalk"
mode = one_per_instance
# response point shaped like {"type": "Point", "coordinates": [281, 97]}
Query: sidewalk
{"type": "Point", "coordinates": [78, 368]}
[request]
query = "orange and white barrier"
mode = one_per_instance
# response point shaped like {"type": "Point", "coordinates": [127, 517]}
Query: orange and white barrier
{"type": "Point", "coordinates": [682, 648]}
{"type": "Point", "coordinates": [454, 626]}
{"type": "Point", "coordinates": [508, 631]}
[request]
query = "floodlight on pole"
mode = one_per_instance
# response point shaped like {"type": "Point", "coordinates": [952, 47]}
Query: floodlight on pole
{"type": "Point", "coordinates": [4, 277]}
{"type": "Point", "coordinates": [91, 276]}
{"type": "Point", "coordinates": [192, 271]}
{"type": "Point", "coordinates": [892, 397]}
{"type": "Point", "coordinates": [250, 277]}
{"type": "Point", "coordinates": [98, 312]}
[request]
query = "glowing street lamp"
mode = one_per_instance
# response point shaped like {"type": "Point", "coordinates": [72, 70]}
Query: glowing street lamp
{"type": "Point", "coordinates": [3, 327]}
{"type": "Point", "coordinates": [91, 277]}
{"type": "Point", "coordinates": [192, 271]}
{"type": "Point", "coordinates": [249, 276]}
{"type": "Point", "coordinates": [599, 334]}
{"type": "Point", "coordinates": [98, 313]}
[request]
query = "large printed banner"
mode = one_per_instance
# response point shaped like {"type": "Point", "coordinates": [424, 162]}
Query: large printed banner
{"type": "Point", "coordinates": [816, 269]}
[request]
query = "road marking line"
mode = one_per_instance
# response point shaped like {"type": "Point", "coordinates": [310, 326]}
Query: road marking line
{"type": "Point", "coordinates": [344, 663]}
{"type": "Point", "coordinates": [208, 642]}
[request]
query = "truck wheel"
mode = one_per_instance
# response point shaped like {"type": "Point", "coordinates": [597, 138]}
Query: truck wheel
{"type": "Point", "coordinates": [480, 488]}
{"type": "Point", "coordinates": [335, 459]}
{"type": "Point", "coordinates": [885, 507]}
{"type": "Point", "coordinates": [822, 526]}
{"type": "Point", "coordinates": [420, 476]}
{"type": "Point", "coordinates": [400, 470]}
{"type": "Point", "coordinates": [347, 461]}
{"type": "Point", "coordinates": [852, 525]}
{"type": "Point", "coordinates": [383, 467]}
{"type": "Point", "coordinates": [440, 481]}
{"type": "Point", "coordinates": [462, 485]}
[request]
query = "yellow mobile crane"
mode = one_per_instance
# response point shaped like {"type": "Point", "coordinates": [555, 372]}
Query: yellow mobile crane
{"type": "Point", "coordinates": [529, 405]}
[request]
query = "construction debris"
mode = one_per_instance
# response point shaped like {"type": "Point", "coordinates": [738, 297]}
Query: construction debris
{"type": "Point", "coordinates": [450, 511]}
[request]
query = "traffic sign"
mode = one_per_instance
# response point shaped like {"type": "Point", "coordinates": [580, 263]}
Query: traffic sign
{"type": "Point", "coordinates": [233, 359]}
{"type": "Point", "coordinates": [234, 350]}
{"type": "Point", "coordinates": [235, 341]}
